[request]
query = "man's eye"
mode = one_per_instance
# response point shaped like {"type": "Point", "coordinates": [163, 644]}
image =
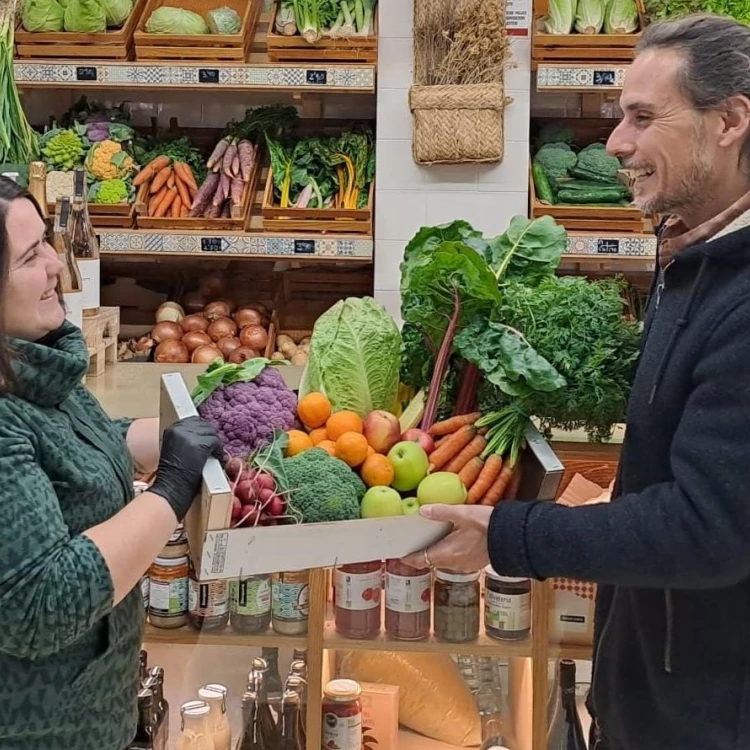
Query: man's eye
{"type": "Point", "coordinates": [642, 119]}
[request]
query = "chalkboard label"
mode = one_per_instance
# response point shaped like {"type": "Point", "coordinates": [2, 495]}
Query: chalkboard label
{"type": "Point", "coordinates": [317, 77]}
{"type": "Point", "coordinates": [604, 78]}
{"type": "Point", "coordinates": [211, 244]}
{"type": "Point", "coordinates": [304, 247]}
{"type": "Point", "coordinates": [85, 73]}
{"type": "Point", "coordinates": [208, 75]}
{"type": "Point", "coordinates": [607, 246]}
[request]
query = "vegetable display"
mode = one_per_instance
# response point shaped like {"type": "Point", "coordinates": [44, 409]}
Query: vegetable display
{"type": "Point", "coordinates": [42, 15]}
{"type": "Point", "coordinates": [172, 20]}
{"type": "Point", "coordinates": [315, 19]}
{"type": "Point", "coordinates": [82, 16]}
{"type": "Point", "coordinates": [588, 17]}
{"type": "Point", "coordinates": [737, 9]}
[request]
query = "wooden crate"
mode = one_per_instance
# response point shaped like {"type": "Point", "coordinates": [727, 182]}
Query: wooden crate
{"type": "Point", "coordinates": [104, 216]}
{"type": "Point", "coordinates": [116, 44]}
{"type": "Point", "coordinates": [230, 47]}
{"type": "Point", "coordinates": [101, 332]}
{"type": "Point", "coordinates": [295, 49]}
{"type": "Point", "coordinates": [336, 220]}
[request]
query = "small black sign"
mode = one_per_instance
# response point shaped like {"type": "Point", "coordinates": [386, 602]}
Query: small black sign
{"type": "Point", "coordinates": [607, 246]}
{"type": "Point", "coordinates": [304, 247]}
{"type": "Point", "coordinates": [85, 73]}
{"type": "Point", "coordinates": [604, 78]}
{"type": "Point", "coordinates": [208, 75]}
{"type": "Point", "coordinates": [211, 245]}
{"type": "Point", "coordinates": [317, 77]}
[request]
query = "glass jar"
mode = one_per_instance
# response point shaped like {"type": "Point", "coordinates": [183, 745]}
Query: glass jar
{"type": "Point", "coordinates": [456, 606]}
{"type": "Point", "coordinates": [408, 596]}
{"type": "Point", "coordinates": [250, 604]}
{"type": "Point", "coordinates": [291, 602]}
{"type": "Point", "coordinates": [168, 601]}
{"type": "Point", "coordinates": [507, 606]}
{"type": "Point", "coordinates": [357, 601]}
{"type": "Point", "coordinates": [342, 715]}
{"type": "Point", "coordinates": [177, 546]}
{"type": "Point", "coordinates": [208, 604]}
{"type": "Point", "coordinates": [215, 697]}
{"type": "Point", "coordinates": [195, 733]}
{"type": "Point", "coordinates": [145, 590]}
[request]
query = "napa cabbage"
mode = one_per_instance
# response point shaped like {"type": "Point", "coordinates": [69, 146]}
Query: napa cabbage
{"type": "Point", "coordinates": [560, 16]}
{"type": "Point", "coordinates": [224, 21]}
{"type": "Point", "coordinates": [621, 17]}
{"type": "Point", "coordinates": [589, 16]}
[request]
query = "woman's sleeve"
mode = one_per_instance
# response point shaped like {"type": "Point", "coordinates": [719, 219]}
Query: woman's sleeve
{"type": "Point", "coordinates": [53, 587]}
{"type": "Point", "coordinates": [123, 425]}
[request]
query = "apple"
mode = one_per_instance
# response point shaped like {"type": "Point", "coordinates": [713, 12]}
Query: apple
{"type": "Point", "coordinates": [379, 502]}
{"type": "Point", "coordinates": [415, 435]}
{"type": "Point", "coordinates": [410, 506]}
{"type": "Point", "coordinates": [410, 465]}
{"type": "Point", "coordinates": [382, 430]}
{"type": "Point", "coordinates": [442, 487]}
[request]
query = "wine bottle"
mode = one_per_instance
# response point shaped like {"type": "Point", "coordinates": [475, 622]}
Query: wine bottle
{"type": "Point", "coordinates": [566, 732]}
{"type": "Point", "coordinates": [85, 245]}
{"type": "Point", "coordinates": [38, 187]}
{"type": "Point", "coordinates": [291, 738]}
{"type": "Point", "coordinates": [71, 283]}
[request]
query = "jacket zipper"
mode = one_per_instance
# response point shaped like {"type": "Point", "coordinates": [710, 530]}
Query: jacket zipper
{"type": "Point", "coordinates": [669, 631]}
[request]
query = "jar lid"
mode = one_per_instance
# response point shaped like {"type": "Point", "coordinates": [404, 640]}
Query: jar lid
{"type": "Point", "coordinates": [208, 693]}
{"type": "Point", "coordinates": [489, 571]}
{"type": "Point", "coordinates": [171, 562]}
{"type": "Point", "coordinates": [343, 690]}
{"type": "Point", "coordinates": [195, 709]}
{"type": "Point", "coordinates": [216, 688]}
{"type": "Point", "coordinates": [453, 577]}
{"type": "Point", "coordinates": [139, 487]}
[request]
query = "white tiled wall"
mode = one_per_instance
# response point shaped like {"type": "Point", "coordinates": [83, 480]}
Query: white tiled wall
{"type": "Point", "coordinates": [408, 195]}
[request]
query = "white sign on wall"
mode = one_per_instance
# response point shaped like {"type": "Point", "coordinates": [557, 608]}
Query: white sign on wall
{"type": "Point", "coordinates": [518, 17]}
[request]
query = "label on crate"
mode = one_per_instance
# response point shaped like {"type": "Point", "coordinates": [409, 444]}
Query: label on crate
{"type": "Point", "coordinates": [604, 78]}
{"type": "Point", "coordinates": [208, 75]}
{"type": "Point", "coordinates": [86, 73]}
{"type": "Point", "coordinates": [90, 274]}
{"type": "Point", "coordinates": [317, 77]}
{"type": "Point", "coordinates": [211, 245]}
{"type": "Point", "coordinates": [408, 594]}
{"type": "Point", "coordinates": [304, 247]}
{"type": "Point", "coordinates": [358, 591]}
{"type": "Point", "coordinates": [607, 246]}
{"type": "Point", "coordinates": [517, 17]}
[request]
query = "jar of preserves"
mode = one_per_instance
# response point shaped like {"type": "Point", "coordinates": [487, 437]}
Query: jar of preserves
{"type": "Point", "coordinates": [168, 601]}
{"type": "Point", "coordinates": [507, 606]}
{"type": "Point", "coordinates": [408, 599]}
{"type": "Point", "coordinates": [342, 715]}
{"type": "Point", "coordinates": [291, 602]}
{"type": "Point", "coordinates": [215, 697]}
{"type": "Point", "coordinates": [194, 730]}
{"type": "Point", "coordinates": [177, 546]}
{"type": "Point", "coordinates": [357, 601]}
{"type": "Point", "coordinates": [250, 604]}
{"type": "Point", "coordinates": [456, 606]}
{"type": "Point", "coordinates": [208, 604]}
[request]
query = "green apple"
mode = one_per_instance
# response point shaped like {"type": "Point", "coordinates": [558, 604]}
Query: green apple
{"type": "Point", "coordinates": [379, 502]}
{"type": "Point", "coordinates": [442, 487]}
{"type": "Point", "coordinates": [410, 465]}
{"type": "Point", "coordinates": [410, 505]}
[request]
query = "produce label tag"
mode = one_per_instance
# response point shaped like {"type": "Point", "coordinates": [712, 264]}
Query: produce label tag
{"type": "Point", "coordinates": [304, 247]}
{"type": "Point", "coordinates": [358, 591]}
{"type": "Point", "coordinates": [317, 77]}
{"type": "Point", "coordinates": [252, 597]}
{"type": "Point", "coordinates": [208, 75]}
{"type": "Point", "coordinates": [86, 73]}
{"type": "Point", "coordinates": [342, 733]}
{"type": "Point", "coordinates": [211, 245]}
{"type": "Point", "coordinates": [408, 594]}
{"type": "Point", "coordinates": [517, 17]}
{"type": "Point", "coordinates": [607, 246]}
{"type": "Point", "coordinates": [507, 611]}
{"type": "Point", "coordinates": [604, 78]}
{"type": "Point", "coordinates": [91, 282]}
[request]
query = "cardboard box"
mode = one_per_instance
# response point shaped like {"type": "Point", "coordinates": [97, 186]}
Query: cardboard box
{"type": "Point", "coordinates": [380, 715]}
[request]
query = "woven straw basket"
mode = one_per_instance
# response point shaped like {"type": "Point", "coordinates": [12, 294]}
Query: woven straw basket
{"type": "Point", "coordinates": [457, 124]}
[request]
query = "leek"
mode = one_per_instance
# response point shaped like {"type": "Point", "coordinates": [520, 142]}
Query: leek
{"type": "Point", "coordinates": [310, 16]}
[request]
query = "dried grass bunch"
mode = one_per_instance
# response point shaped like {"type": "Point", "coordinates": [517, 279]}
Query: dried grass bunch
{"type": "Point", "coordinates": [459, 42]}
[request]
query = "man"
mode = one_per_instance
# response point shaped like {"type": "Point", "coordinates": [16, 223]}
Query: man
{"type": "Point", "coordinates": [672, 551]}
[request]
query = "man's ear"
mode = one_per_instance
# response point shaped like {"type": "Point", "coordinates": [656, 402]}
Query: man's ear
{"type": "Point", "coordinates": [735, 121]}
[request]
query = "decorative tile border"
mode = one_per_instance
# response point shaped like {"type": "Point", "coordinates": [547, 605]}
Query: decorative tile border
{"type": "Point", "coordinates": [589, 77]}
{"type": "Point", "coordinates": [209, 75]}
{"type": "Point", "coordinates": [138, 241]}
{"type": "Point", "coordinates": [638, 246]}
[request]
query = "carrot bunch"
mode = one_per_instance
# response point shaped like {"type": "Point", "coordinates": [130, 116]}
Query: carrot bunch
{"type": "Point", "coordinates": [171, 187]}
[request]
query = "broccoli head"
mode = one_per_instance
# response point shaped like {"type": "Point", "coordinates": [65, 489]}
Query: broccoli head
{"type": "Point", "coordinates": [599, 161]}
{"type": "Point", "coordinates": [555, 132]}
{"type": "Point", "coordinates": [556, 159]}
{"type": "Point", "coordinates": [323, 488]}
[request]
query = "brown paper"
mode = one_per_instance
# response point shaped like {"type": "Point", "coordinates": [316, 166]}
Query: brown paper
{"type": "Point", "coordinates": [581, 491]}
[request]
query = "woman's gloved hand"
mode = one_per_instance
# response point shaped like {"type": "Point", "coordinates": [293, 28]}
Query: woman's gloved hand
{"type": "Point", "coordinates": [186, 446]}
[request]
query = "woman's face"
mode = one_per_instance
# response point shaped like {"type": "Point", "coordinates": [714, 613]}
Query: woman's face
{"type": "Point", "coordinates": [31, 305]}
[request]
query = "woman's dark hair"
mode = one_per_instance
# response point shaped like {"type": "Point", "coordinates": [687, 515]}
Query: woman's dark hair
{"type": "Point", "coordinates": [9, 192]}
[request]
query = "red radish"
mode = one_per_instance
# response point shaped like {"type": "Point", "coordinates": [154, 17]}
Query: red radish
{"type": "Point", "coordinates": [265, 495]}
{"type": "Point", "coordinates": [276, 506]}
{"type": "Point", "coordinates": [236, 508]}
{"type": "Point", "coordinates": [245, 491]}
{"type": "Point", "coordinates": [250, 514]}
{"type": "Point", "coordinates": [265, 481]}
{"type": "Point", "coordinates": [248, 474]}
{"type": "Point", "coordinates": [234, 467]}
{"type": "Point", "coordinates": [266, 520]}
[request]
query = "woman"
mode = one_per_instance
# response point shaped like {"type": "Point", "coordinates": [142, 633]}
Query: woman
{"type": "Point", "coordinates": [73, 541]}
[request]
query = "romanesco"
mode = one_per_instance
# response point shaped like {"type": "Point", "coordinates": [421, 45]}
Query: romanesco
{"type": "Point", "coordinates": [111, 191]}
{"type": "Point", "coordinates": [63, 151]}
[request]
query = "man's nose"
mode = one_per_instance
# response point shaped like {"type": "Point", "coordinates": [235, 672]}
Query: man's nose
{"type": "Point", "coordinates": [619, 144]}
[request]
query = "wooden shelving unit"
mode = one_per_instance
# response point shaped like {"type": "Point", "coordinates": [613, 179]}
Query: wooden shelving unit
{"type": "Point", "coordinates": [188, 636]}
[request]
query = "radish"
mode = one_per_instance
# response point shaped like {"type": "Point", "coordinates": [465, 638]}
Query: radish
{"type": "Point", "coordinates": [245, 491]}
{"type": "Point", "coordinates": [265, 495]}
{"type": "Point", "coordinates": [265, 482]}
{"type": "Point", "coordinates": [236, 508]}
{"type": "Point", "coordinates": [250, 515]}
{"type": "Point", "coordinates": [248, 475]}
{"type": "Point", "coordinates": [267, 520]}
{"type": "Point", "coordinates": [234, 467]}
{"type": "Point", "coordinates": [276, 506]}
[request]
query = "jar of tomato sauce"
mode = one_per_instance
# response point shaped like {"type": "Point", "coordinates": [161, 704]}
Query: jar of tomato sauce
{"type": "Point", "coordinates": [342, 715]}
{"type": "Point", "coordinates": [408, 599]}
{"type": "Point", "coordinates": [357, 601]}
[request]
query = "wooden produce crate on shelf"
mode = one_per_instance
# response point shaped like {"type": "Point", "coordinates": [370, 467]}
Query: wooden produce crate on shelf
{"type": "Point", "coordinates": [108, 216]}
{"type": "Point", "coordinates": [217, 47]}
{"type": "Point", "coordinates": [114, 44]}
{"type": "Point", "coordinates": [349, 220]}
{"type": "Point", "coordinates": [101, 332]}
{"type": "Point", "coordinates": [295, 48]}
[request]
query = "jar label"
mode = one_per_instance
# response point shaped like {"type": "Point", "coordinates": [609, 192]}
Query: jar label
{"type": "Point", "coordinates": [145, 590]}
{"type": "Point", "coordinates": [408, 593]}
{"type": "Point", "coordinates": [510, 612]}
{"type": "Point", "coordinates": [291, 601]}
{"type": "Point", "coordinates": [342, 733]}
{"type": "Point", "coordinates": [168, 598]}
{"type": "Point", "coordinates": [251, 597]}
{"type": "Point", "coordinates": [358, 591]}
{"type": "Point", "coordinates": [208, 599]}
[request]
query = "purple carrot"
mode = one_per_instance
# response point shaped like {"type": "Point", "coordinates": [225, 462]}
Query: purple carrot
{"type": "Point", "coordinates": [236, 166]}
{"type": "Point", "coordinates": [223, 192]}
{"type": "Point", "coordinates": [237, 190]}
{"type": "Point", "coordinates": [247, 159]}
{"type": "Point", "coordinates": [212, 212]}
{"type": "Point", "coordinates": [204, 195]}
{"type": "Point", "coordinates": [218, 153]}
{"type": "Point", "coordinates": [229, 154]}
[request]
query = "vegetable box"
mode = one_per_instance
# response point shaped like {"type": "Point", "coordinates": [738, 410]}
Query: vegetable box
{"type": "Point", "coordinates": [114, 44]}
{"type": "Point", "coordinates": [107, 216]}
{"type": "Point", "coordinates": [220, 553]}
{"type": "Point", "coordinates": [229, 47]}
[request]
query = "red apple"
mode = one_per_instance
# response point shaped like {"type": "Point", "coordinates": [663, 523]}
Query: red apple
{"type": "Point", "coordinates": [382, 430]}
{"type": "Point", "coordinates": [424, 439]}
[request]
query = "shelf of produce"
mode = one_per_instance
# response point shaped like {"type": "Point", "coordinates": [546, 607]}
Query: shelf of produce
{"type": "Point", "coordinates": [187, 636]}
{"type": "Point", "coordinates": [561, 77]}
{"type": "Point", "coordinates": [561, 651]}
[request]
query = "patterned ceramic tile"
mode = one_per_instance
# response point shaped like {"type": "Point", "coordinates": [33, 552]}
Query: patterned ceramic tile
{"type": "Point", "coordinates": [638, 246]}
{"type": "Point", "coordinates": [593, 77]}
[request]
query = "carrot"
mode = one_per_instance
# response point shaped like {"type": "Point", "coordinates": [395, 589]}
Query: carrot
{"type": "Point", "coordinates": [184, 211]}
{"type": "Point", "coordinates": [166, 203]}
{"type": "Point", "coordinates": [170, 181]}
{"type": "Point", "coordinates": [186, 173]}
{"type": "Point", "coordinates": [495, 492]}
{"type": "Point", "coordinates": [511, 493]}
{"type": "Point", "coordinates": [470, 473]}
{"type": "Point", "coordinates": [156, 200]}
{"type": "Point", "coordinates": [451, 447]}
{"type": "Point", "coordinates": [161, 179]}
{"type": "Point", "coordinates": [492, 468]}
{"type": "Point", "coordinates": [452, 424]}
{"type": "Point", "coordinates": [158, 163]}
{"type": "Point", "coordinates": [474, 448]}
{"type": "Point", "coordinates": [143, 176]}
{"type": "Point", "coordinates": [183, 190]}
{"type": "Point", "coordinates": [176, 207]}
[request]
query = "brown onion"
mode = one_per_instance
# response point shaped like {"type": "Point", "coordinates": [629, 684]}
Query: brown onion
{"type": "Point", "coordinates": [217, 309]}
{"type": "Point", "coordinates": [256, 337]}
{"type": "Point", "coordinates": [228, 344]}
{"type": "Point", "coordinates": [166, 330]}
{"type": "Point", "coordinates": [212, 285]}
{"type": "Point", "coordinates": [172, 351]}
{"type": "Point", "coordinates": [204, 355]}
{"type": "Point", "coordinates": [194, 322]}
{"type": "Point", "coordinates": [221, 328]}
{"type": "Point", "coordinates": [169, 311]}
{"type": "Point", "coordinates": [248, 316]}
{"type": "Point", "coordinates": [144, 344]}
{"type": "Point", "coordinates": [242, 354]}
{"type": "Point", "coordinates": [194, 339]}
{"type": "Point", "coordinates": [193, 302]}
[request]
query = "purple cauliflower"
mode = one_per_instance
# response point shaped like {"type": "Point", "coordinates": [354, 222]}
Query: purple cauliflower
{"type": "Point", "coordinates": [246, 414]}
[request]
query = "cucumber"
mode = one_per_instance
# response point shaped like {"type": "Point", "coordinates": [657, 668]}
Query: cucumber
{"type": "Point", "coordinates": [542, 184]}
{"type": "Point", "coordinates": [585, 174]}
{"type": "Point", "coordinates": [590, 185]}
{"type": "Point", "coordinates": [600, 195]}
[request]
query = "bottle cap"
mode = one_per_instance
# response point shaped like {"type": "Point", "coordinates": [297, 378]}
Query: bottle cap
{"type": "Point", "coordinates": [490, 572]}
{"type": "Point", "coordinates": [453, 577]}
{"type": "Point", "coordinates": [343, 690]}
{"type": "Point", "coordinates": [194, 708]}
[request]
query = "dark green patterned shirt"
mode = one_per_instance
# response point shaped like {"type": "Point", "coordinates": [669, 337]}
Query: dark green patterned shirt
{"type": "Point", "coordinates": [68, 658]}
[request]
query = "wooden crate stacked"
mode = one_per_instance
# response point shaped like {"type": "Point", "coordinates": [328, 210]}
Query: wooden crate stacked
{"type": "Point", "coordinates": [101, 332]}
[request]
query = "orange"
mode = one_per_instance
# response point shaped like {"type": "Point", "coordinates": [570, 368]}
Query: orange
{"type": "Point", "coordinates": [370, 451]}
{"type": "Point", "coordinates": [318, 435]}
{"type": "Point", "coordinates": [314, 409]}
{"type": "Point", "coordinates": [328, 446]}
{"type": "Point", "coordinates": [343, 421]}
{"type": "Point", "coordinates": [298, 441]}
{"type": "Point", "coordinates": [377, 471]}
{"type": "Point", "coordinates": [351, 448]}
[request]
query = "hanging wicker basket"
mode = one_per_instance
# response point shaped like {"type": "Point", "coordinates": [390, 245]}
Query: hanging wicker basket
{"type": "Point", "coordinates": [457, 124]}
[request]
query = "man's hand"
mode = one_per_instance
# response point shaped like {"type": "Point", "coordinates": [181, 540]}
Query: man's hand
{"type": "Point", "coordinates": [465, 548]}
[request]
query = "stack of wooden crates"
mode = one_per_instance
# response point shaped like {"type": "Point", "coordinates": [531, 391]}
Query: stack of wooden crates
{"type": "Point", "coordinates": [101, 332]}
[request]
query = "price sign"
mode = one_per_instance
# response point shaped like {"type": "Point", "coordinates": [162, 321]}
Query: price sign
{"type": "Point", "coordinates": [211, 245]}
{"type": "Point", "coordinates": [304, 247]}
{"type": "Point", "coordinates": [607, 246]}
{"type": "Point", "coordinates": [85, 73]}
{"type": "Point", "coordinates": [208, 75]}
{"type": "Point", "coordinates": [604, 78]}
{"type": "Point", "coordinates": [317, 77]}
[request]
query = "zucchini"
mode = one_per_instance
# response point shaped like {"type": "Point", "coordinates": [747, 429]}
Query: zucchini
{"type": "Point", "coordinates": [602, 194]}
{"type": "Point", "coordinates": [585, 174]}
{"type": "Point", "coordinates": [542, 184]}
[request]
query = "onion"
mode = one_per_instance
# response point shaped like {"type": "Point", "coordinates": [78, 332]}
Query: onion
{"type": "Point", "coordinates": [228, 344]}
{"type": "Point", "coordinates": [193, 302]}
{"type": "Point", "coordinates": [212, 285]}
{"type": "Point", "coordinates": [255, 337]}
{"type": "Point", "coordinates": [144, 344]}
{"type": "Point", "coordinates": [221, 328]}
{"type": "Point", "coordinates": [218, 309]}
{"type": "Point", "coordinates": [169, 311]}
{"type": "Point", "coordinates": [166, 330]}
{"type": "Point", "coordinates": [248, 316]}
{"type": "Point", "coordinates": [195, 339]}
{"type": "Point", "coordinates": [242, 354]}
{"type": "Point", "coordinates": [172, 351]}
{"type": "Point", "coordinates": [204, 355]}
{"type": "Point", "coordinates": [194, 322]}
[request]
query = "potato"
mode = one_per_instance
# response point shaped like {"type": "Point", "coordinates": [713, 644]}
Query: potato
{"type": "Point", "coordinates": [278, 355]}
{"type": "Point", "coordinates": [305, 341]}
{"type": "Point", "coordinates": [282, 339]}
{"type": "Point", "coordinates": [299, 359]}
{"type": "Point", "coordinates": [288, 349]}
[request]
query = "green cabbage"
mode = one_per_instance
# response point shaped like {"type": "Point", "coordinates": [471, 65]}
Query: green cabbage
{"type": "Point", "coordinates": [166, 20]}
{"type": "Point", "coordinates": [42, 15]}
{"type": "Point", "coordinates": [85, 17]}
{"type": "Point", "coordinates": [355, 357]}
{"type": "Point", "coordinates": [224, 21]}
{"type": "Point", "coordinates": [560, 18]}
{"type": "Point", "coordinates": [117, 11]}
{"type": "Point", "coordinates": [621, 17]}
{"type": "Point", "coordinates": [590, 16]}
{"type": "Point", "coordinates": [63, 3]}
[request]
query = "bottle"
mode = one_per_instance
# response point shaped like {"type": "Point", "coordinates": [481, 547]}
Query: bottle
{"type": "Point", "coordinates": [155, 682]}
{"type": "Point", "coordinates": [273, 679]}
{"type": "Point", "coordinates": [268, 728]}
{"type": "Point", "coordinates": [208, 603]}
{"type": "Point", "coordinates": [342, 715]}
{"type": "Point", "coordinates": [566, 732]}
{"type": "Point", "coordinates": [408, 600]}
{"type": "Point", "coordinates": [290, 722]}
{"type": "Point", "coordinates": [215, 697]}
{"type": "Point", "coordinates": [358, 604]}
{"type": "Point", "coordinates": [291, 602]}
{"type": "Point", "coordinates": [251, 739]}
{"type": "Point", "coordinates": [250, 604]}
{"type": "Point", "coordinates": [194, 731]}
{"type": "Point", "coordinates": [71, 283]}
{"type": "Point", "coordinates": [144, 736]}
{"type": "Point", "coordinates": [143, 667]}
{"type": "Point", "coordinates": [38, 187]}
{"type": "Point", "coordinates": [299, 685]}
{"type": "Point", "coordinates": [85, 245]}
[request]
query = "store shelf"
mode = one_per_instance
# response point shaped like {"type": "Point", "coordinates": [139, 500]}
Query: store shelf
{"type": "Point", "coordinates": [560, 77]}
{"type": "Point", "coordinates": [187, 636]}
{"type": "Point", "coordinates": [582, 653]}
{"type": "Point", "coordinates": [610, 251]}
{"type": "Point", "coordinates": [412, 741]}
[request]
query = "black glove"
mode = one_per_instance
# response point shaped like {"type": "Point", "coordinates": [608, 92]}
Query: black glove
{"type": "Point", "coordinates": [186, 446]}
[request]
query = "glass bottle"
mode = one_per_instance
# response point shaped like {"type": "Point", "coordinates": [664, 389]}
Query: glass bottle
{"type": "Point", "coordinates": [291, 602]}
{"type": "Point", "coordinates": [38, 187]}
{"type": "Point", "coordinates": [299, 685]}
{"type": "Point", "coordinates": [358, 604]}
{"type": "Point", "coordinates": [408, 596]}
{"type": "Point", "coordinates": [566, 732]}
{"type": "Point", "coordinates": [194, 730]}
{"type": "Point", "coordinates": [215, 697]}
{"type": "Point", "coordinates": [457, 598]}
{"type": "Point", "coordinates": [273, 679]}
{"type": "Point", "coordinates": [269, 729]}
{"type": "Point", "coordinates": [208, 603]}
{"type": "Point", "coordinates": [71, 283]}
{"type": "Point", "coordinates": [250, 604]}
{"type": "Point", "coordinates": [85, 245]}
{"type": "Point", "coordinates": [290, 722]}
{"type": "Point", "coordinates": [143, 667]}
{"type": "Point", "coordinates": [155, 681]}
{"type": "Point", "coordinates": [144, 736]}
{"type": "Point", "coordinates": [251, 737]}
{"type": "Point", "coordinates": [342, 715]}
